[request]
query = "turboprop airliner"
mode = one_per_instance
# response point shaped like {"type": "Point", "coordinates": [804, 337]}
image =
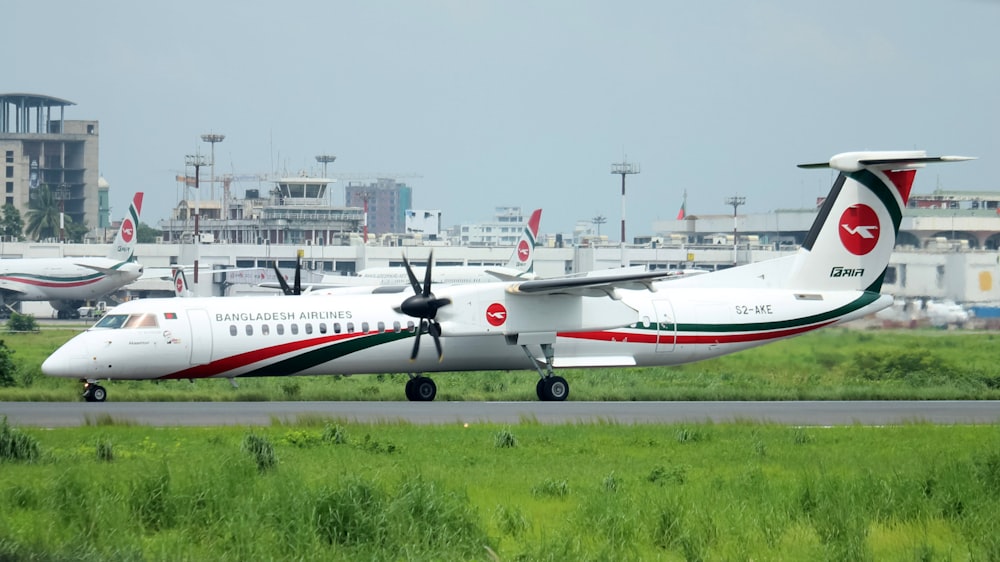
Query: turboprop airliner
{"type": "Point", "coordinates": [613, 319]}
{"type": "Point", "coordinates": [68, 282]}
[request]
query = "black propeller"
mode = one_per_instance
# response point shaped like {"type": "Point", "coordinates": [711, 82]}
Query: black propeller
{"type": "Point", "coordinates": [423, 305]}
{"type": "Point", "coordinates": [296, 289]}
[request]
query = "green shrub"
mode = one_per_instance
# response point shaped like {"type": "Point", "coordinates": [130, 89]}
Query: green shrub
{"type": "Point", "coordinates": [505, 439]}
{"type": "Point", "coordinates": [262, 451]}
{"type": "Point", "coordinates": [22, 323]}
{"type": "Point", "coordinates": [8, 370]}
{"type": "Point", "coordinates": [15, 445]}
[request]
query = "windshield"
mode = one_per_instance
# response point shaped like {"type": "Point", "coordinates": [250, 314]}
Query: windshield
{"type": "Point", "coordinates": [115, 321]}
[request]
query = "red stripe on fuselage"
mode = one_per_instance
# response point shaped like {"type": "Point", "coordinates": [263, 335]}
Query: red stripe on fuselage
{"type": "Point", "coordinates": [37, 283]}
{"type": "Point", "coordinates": [251, 357]}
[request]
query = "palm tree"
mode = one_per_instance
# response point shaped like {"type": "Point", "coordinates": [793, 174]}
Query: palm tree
{"type": "Point", "coordinates": [43, 215]}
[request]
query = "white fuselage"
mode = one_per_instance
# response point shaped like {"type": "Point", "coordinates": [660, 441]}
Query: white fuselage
{"type": "Point", "coordinates": [277, 336]}
{"type": "Point", "coordinates": [66, 279]}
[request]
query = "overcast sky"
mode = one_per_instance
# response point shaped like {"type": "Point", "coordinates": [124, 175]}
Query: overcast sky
{"type": "Point", "coordinates": [522, 103]}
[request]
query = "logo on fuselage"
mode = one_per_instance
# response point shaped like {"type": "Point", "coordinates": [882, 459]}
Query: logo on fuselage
{"type": "Point", "coordinates": [859, 229]}
{"type": "Point", "coordinates": [496, 314]}
{"type": "Point", "coordinates": [839, 271]}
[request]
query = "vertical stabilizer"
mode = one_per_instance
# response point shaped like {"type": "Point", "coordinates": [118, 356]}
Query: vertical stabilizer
{"type": "Point", "coordinates": [123, 247]}
{"type": "Point", "coordinates": [852, 238]}
{"type": "Point", "coordinates": [523, 258]}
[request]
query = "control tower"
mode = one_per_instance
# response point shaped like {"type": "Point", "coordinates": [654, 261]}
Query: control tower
{"type": "Point", "coordinates": [40, 148]}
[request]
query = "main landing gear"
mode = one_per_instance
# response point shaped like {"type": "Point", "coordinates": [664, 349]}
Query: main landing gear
{"type": "Point", "coordinates": [550, 387]}
{"type": "Point", "coordinates": [420, 388]}
{"type": "Point", "coordinates": [93, 392]}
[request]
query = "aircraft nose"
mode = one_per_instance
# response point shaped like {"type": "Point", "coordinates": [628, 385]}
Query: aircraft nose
{"type": "Point", "coordinates": [69, 361]}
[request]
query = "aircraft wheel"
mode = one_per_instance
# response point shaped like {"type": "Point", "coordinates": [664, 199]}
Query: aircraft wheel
{"type": "Point", "coordinates": [409, 391]}
{"type": "Point", "coordinates": [424, 389]}
{"type": "Point", "coordinates": [554, 389]}
{"type": "Point", "coordinates": [540, 390]}
{"type": "Point", "coordinates": [98, 393]}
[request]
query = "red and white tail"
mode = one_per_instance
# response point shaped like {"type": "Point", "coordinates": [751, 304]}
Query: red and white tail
{"type": "Point", "coordinates": [852, 238]}
{"type": "Point", "coordinates": [123, 248]}
{"type": "Point", "coordinates": [523, 258]}
{"type": "Point", "coordinates": [181, 288]}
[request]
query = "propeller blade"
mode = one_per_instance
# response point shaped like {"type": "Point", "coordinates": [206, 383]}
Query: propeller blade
{"type": "Point", "coordinates": [297, 289]}
{"type": "Point", "coordinates": [435, 330]}
{"type": "Point", "coordinates": [281, 280]}
{"type": "Point", "coordinates": [416, 342]}
{"type": "Point", "coordinates": [413, 278]}
{"type": "Point", "coordinates": [427, 275]}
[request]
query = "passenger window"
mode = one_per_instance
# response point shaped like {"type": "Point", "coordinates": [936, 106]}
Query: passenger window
{"type": "Point", "coordinates": [249, 330]}
{"type": "Point", "coordinates": [396, 327]}
{"type": "Point", "coordinates": [265, 330]}
{"type": "Point", "coordinates": [232, 330]}
{"type": "Point", "coordinates": [295, 329]}
{"type": "Point", "coordinates": [280, 328]}
{"type": "Point", "coordinates": [350, 327]}
{"type": "Point", "coordinates": [309, 327]}
{"type": "Point", "coordinates": [364, 327]}
{"type": "Point", "coordinates": [381, 327]}
{"type": "Point", "coordinates": [410, 326]}
{"type": "Point", "coordinates": [336, 327]}
{"type": "Point", "coordinates": [322, 327]}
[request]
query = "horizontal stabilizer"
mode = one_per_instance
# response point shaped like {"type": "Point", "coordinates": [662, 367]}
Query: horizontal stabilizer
{"type": "Point", "coordinates": [855, 161]}
{"type": "Point", "coordinates": [99, 269]}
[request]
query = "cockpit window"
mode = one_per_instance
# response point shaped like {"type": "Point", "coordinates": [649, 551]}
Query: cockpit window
{"type": "Point", "coordinates": [128, 321]}
{"type": "Point", "coordinates": [112, 321]}
{"type": "Point", "coordinates": [141, 321]}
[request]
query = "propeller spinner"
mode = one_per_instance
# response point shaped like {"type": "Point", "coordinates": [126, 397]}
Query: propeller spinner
{"type": "Point", "coordinates": [423, 305]}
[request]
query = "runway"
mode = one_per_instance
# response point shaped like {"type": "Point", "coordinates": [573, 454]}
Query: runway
{"type": "Point", "coordinates": [824, 413]}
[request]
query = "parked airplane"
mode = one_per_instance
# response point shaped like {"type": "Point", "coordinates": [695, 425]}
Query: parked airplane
{"type": "Point", "coordinates": [539, 324]}
{"type": "Point", "coordinates": [68, 282]}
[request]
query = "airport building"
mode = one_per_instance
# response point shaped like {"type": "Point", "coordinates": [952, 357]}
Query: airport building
{"type": "Point", "coordinates": [40, 147]}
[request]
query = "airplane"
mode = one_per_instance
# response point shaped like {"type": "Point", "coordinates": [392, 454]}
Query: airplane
{"type": "Point", "coordinates": [519, 266]}
{"type": "Point", "coordinates": [67, 283]}
{"type": "Point", "coordinates": [611, 319]}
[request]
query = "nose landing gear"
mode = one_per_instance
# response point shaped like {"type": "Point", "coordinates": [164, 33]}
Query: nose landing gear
{"type": "Point", "coordinates": [93, 392]}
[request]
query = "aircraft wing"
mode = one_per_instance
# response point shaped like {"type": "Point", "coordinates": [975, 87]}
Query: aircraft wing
{"type": "Point", "coordinates": [600, 284]}
{"type": "Point", "coordinates": [99, 269]}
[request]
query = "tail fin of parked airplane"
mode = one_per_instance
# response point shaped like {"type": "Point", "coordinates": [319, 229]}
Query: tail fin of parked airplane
{"type": "Point", "coordinates": [123, 248]}
{"type": "Point", "coordinates": [523, 258]}
{"type": "Point", "coordinates": [852, 238]}
{"type": "Point", "coordinates": [181, 288]}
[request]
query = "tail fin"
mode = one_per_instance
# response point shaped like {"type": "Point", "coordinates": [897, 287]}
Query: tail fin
{"type": "Point", "coordinates": [181, 288]}
{"type": "Point", "coordinates": [851, 241]}
{"type": "Point", "coordinates": [123, 247]}
{"type": "Point", "coordinates": [523, 258]}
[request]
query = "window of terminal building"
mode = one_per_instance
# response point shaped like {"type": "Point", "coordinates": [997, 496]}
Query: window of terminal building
{"type": "Point", "coordinates": [10, 156]}
{"type": "Point", "coordinates": [10, 187]}
{"type": "Point", "coordinates": [10, 201]}
{"type": "Point", "coordinates": [10, 171]}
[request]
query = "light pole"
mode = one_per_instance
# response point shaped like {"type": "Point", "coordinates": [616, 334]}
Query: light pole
{"type": "Point", "coordinates": [624, 168]}
{"type": "Point", "coordinates": [598, 221]}
{"type": "Point", "coordinates": [213, 138]}
{"type": "Point", "coordinates": [196, 160]}
{"type": "Point", "coordinates": [735, 201]}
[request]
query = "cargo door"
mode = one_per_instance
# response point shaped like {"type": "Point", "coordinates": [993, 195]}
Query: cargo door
{"type": "Point", "coordinates": [666, 326]}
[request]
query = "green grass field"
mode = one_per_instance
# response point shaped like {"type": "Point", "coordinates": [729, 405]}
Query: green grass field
{"type": "Point", "coordinates": [831, 364]}
{"type": "Point", "coordinates": [329, 490]}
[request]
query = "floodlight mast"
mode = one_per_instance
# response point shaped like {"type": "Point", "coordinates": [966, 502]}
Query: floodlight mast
{"type": "Point", "coordinates": [736, 201]}
{"type": "Point", "coordinates": [624, 168]}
